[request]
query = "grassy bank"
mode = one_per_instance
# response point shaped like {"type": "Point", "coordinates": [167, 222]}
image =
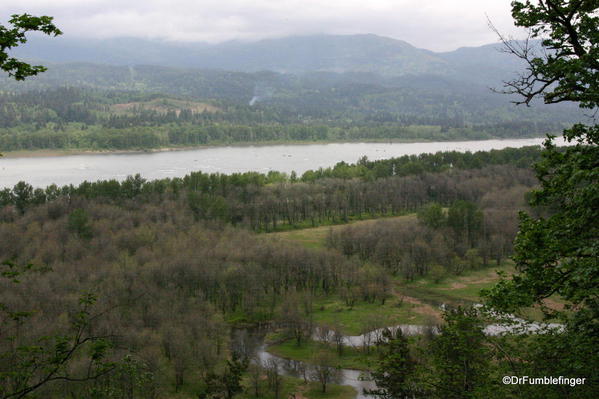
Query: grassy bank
{"type": "Point", "coordinates": [350, 358]}
{"type": "Point", "coordinates": [58, 152]}
{"type": "Point", "coordinates": [332, 311]}
{"type": "Point", "coordinates": [363, 316]}
{"type": "Point", "coordinates": [90, 151]}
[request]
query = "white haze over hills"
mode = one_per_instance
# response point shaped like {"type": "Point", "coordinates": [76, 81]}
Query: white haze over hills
{"type": "Point", "coordinates": [438, 25]}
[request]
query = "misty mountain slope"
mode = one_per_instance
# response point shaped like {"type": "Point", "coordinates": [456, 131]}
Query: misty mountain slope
{"type": "Point", "coordinates": [488, 64]}
{"type": "Point", "coordinates": [332, 53]}
{"type": "Point", "coordinates": [360, 53]}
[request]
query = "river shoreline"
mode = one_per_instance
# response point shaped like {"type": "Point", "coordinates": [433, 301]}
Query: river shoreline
{"type": "Point", "coordinates": [43, 153]}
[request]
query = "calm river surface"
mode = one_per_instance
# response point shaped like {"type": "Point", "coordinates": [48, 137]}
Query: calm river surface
{"type": "Point", "coordinates": [74, 169]}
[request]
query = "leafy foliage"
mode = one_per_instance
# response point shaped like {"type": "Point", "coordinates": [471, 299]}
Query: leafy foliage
{"type": "Point", "coordinates": [14, 36]}
{"type": "Point", "coordinates": [228, 383]}
{"type": "Point", "coordinates": [264, 202]}
{"type": "Point", "coordinates": [556, 250]}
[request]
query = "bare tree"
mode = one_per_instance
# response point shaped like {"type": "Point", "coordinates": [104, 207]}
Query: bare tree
{"type": "Point", "coordinates": [323, 334]}
{"type": "Point", "coordinates": [371, 326]}
{"type": "Point", "coordinates": [324, 371]}
{"type": "Point", "coordinates": [338, 338]}
{"type": "Point", "coordinates": [255, 372]}
{"type": "Point", "coordinates": [32, 365]}
{"type": "Point", "coordinates": [274, 378]}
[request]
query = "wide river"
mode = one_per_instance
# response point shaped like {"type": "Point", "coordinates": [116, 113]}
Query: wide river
{"type": "Point", "coordinates": [74, 169]}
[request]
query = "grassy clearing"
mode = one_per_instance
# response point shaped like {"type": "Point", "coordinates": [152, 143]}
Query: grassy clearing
{"type": "Point", "coordinates": [309, 238]}
{"type": "Point", "coordinates": [455, 290]}
{"type": "Point", "coordinates": [315, 237]}
{"type": "Point", "coordinates": [420, 299]}
{"type": "Point", "coordinates": [332, 311]}
{"type": "Point", "coordinates": [297, 388]}
{"type": "Point", "coordinates": [422, 292]}
{"type": "Point", "coordinates": [465, 289]}
{"type": "Point", "coordinates": [414, 302]}
{"type": "Point", "coordinates": [351, 358]}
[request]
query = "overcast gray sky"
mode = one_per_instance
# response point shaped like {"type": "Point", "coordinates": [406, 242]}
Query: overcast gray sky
{"type": "Point", "coordinates": [438, 25]}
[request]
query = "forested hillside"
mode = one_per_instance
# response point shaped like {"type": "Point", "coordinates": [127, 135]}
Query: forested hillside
{"type": "Point", "coordinates": [206, 108]}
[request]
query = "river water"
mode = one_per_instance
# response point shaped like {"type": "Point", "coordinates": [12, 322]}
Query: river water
{"type": "Point", "coordinates": [252, 344]}
{"type": "Point", "coordinates": [74, 169]}
{"type": "Point", "coordinates": [356, 379]}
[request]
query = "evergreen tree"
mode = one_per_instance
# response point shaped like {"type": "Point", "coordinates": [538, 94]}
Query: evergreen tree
{"type": "Point", "coordinates": [395, 372]}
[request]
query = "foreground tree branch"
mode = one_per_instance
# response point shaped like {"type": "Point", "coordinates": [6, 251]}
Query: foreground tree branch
{"type": "Point", "coordinates": [14, 35]}
{"type": "Point", "coordinates": [560, 54]}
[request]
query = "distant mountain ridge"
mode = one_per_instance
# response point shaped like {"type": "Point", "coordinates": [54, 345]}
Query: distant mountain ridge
{"type": "Point", "coordinates": [297, 54]}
